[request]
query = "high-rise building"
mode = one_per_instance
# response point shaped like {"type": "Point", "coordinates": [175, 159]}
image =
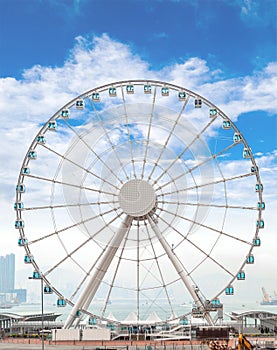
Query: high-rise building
{"type": "Point", "coordinates": [7, 273]}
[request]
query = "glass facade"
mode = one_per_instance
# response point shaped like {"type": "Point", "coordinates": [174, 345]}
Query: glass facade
{"type": "Point", "coordinates": [7, 273]}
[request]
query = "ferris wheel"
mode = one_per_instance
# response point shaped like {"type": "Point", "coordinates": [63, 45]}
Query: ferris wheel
{"type": "Point", "coordinates": [139, 196]}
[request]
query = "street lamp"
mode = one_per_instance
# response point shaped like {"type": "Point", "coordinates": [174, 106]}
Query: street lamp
{"type": "Point", "coordinates": [36, 276]}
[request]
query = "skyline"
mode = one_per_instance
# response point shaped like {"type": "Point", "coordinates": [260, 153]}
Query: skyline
{"type": "Point", "coordinates": [95, 51]}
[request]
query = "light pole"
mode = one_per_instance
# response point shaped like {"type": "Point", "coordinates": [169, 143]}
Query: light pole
{"type": "Point", "coordinates": [36, 276]}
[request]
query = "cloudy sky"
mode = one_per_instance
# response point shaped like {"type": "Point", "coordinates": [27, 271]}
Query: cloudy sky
{"type": "Point", "coordinates": [52, 51]}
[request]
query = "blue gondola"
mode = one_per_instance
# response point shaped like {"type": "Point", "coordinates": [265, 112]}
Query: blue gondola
{"type": "Point", "coordinates": [92, 321]}
{"type": "Point", "coordinates": [254, 169]}
{"type": "Point", "coordinates": [226, 124]}
{"type": "Point", "coordinates": [237, 137]}
{"type": "Point", "coordinates": [32, 154]}
{"type": "Point", "coordinates": [28, 259]}
{"type": "Point", "coordinates": [197, 103]}
{"type": "Point", "coordinates": [112, 91]}
{"type": "Point", "coordinates": [41, 139]}
{"type": "Point", "coordinates": [36, 275]}
{"type": "Point", "coordinates": [20, 188]}
{"type": "Point", "coordinates": [241, 275]}
{"type": "Point", "coordinates": [22, 241]}
{"type": "Point", "coordinates": [61, 302]}
{"type": "Point", "coordinates": [260, 223]}
{"type": "Point", "coordinates": [215, 303]}
{"type": "Point", "coordinates": [250, 259]}
{"type": "Point", "coordinates": [47, 290]}
{"type": "Point", "coordinates": [246, 153]}
{"type": "Point", "coordinates": [213, 112]}
{"type": "Point", "coordinates": [257, 242]}
{"type": "Point", "coordinates": [261, 205]}
{"type": "Point", "coordinates": [80, 103]}
{"type": "Point", "coordinates": [259, 187]}
{"type": "Point", "coordinates": [19, 223]}
{"type": "Point", "coordinates": [229, 290]}
{"type": "Point", "coordinates": [52, 125]}
{"type": "Point", "coordinates": [130, 89]}
{"type": "Point", "coordinates": [147, 89]}
{"type": "Point", "coordinates": [182, 96]}
{"type": "Point", "coordinates": [165, 91]}
{"type": "Point", "coordinates": [65, 113]}
{"type": "Point", "coordinates": [25, 171]}
{"type": "Point", "coordinates": [78, 313]}
{"type": "Point", "coordinates": [18, 205]}
{"type": "Point", "coordinates": [95, 97]}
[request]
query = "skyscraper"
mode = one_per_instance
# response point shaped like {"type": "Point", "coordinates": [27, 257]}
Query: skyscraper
{"type": "Point", "coordinates": [7, 273]}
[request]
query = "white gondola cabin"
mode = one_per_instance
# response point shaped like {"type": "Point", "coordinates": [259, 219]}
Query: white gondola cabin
{"type": "Point", "coordinates": [19, 224]}
{"type": "Point", "coordinates": [241, 275]}
{"type": "Point", "coordinates": [226, 124]}
{"type": "Point", "coordinates": [261, 205]}
{"type": "Point", "coordinates": [47, 290]}
{"type": "Point", "coordinates": [95, 96]}
{"type": "Point", "coordinates": [41, 139]}
{"type": "Point", "coordinates": [250, 259]}
{"type": "Point", "coordinates": [36, 275]}
{"type": "Point", "coordinates": [147, 89]}
{"type": "Point", "coordinates": [165, 91]}
{"type": "Point", "coordinates": [52, 125]}
{"type": "Point", "coordinates": [32, 154]}
{"type": "Point", "coordinates": [61, 303]}
{"type": "Point", "coordinates": [130, 89]}
{"type": "Point", "coordinates": [237, 137]}
{"type": "Point", "coordinates": [20, 188]}
{"type": "Point", "coordinates": [18, 205]}
{"type": "Point", "coordinates": [259, 187]}
{"type": "Point", "coordinates": [65, 113]}
{"type": "Point", "coordinates": [28, 259]}
{"type": "Point", "coordinates": [197, 103]}
{"type": "Point", "coordinates": [25, 171]}
{"type": "Point", "coordinates": [246, 153]}
{"type": "Point", "coordinates": [257, 242]}
{"type": "Point", "coordinates": [22, 241]}
{"type": "Point", "coordinates": [112, 91]}
{"type": "Point", "coordinates": [229, 290]}
{"type": "Point", "coordinates": [213, 112]}
{"type": "Point", "coordinates": [182, 96]}
{"type": "Point", "coordinates": [80, 103]}
{"type": "Point", "coordinates": [260, 223]}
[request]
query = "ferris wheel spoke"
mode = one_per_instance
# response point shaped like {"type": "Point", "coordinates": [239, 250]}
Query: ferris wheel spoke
{"type": "Point", "coordinates": [207, 255]}
{"type": "Point", "coordinates": [150, 126]}
{"type": "Point", "coordinates": [129, 133]}
{"type": "Point", "coordinates": [54, 181]}
{"type": "Point", "coordinates": [61, 206]}
{"type": "Point", "coordinates": [168, 138]}
{"type": "Point", "coordinates": [56, 232]}
{"type": "Point", "coordinates": [93, 152]}
{"type": "Point", "coordinates": [79, 246]}
{"type": "Point", "coordinates": [212, 205]}
{"type": "Point", "coordinates": [180, 155]}
{"type": "Point", "coordinates": [113, 147]}
{"type": "Point", "coordinates": [206, 226]}
{"type": "Point", "coordinates": [86, 170]}
{"type": "Point", "coordinates": [160, 272]}
{"type": "Point", "coordinates": [224, 180]}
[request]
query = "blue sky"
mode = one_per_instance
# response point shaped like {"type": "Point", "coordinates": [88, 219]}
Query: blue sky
{"type": "Point", "coordinates": [51, 51]}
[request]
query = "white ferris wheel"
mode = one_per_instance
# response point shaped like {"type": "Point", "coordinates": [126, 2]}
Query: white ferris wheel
{"type": "Point", "coordinates": [137, 199]}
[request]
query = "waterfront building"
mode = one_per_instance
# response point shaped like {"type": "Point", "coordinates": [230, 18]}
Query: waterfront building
{"type": "Point", "coordinates": [7, 273]}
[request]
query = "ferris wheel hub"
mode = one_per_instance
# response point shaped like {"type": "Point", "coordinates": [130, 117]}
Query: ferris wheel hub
{"type": "Point", "coordinates": [137, 198]}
